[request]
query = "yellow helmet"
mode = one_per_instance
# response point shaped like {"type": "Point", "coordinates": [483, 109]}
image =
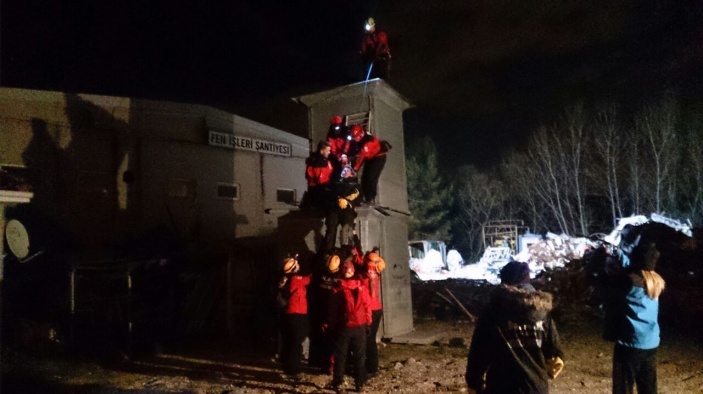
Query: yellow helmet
{"type": "Point", "coordinates": [290, 265]}
{"type": "Point", "coordinates": [370, 23]}
{"type": "Point", "coordinates": [343, 203]}
{"type": "Point", "coordinates": [333, 263]}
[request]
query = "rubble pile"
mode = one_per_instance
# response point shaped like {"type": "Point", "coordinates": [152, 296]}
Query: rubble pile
{"type": "Point", "coordinates": [570, 268]}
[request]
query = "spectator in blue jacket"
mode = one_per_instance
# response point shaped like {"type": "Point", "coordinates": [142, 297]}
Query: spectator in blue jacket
{"type": "Point", "coordinates": [631, 312]}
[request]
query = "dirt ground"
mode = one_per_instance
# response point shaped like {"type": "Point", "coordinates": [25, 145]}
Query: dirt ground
{"type": "Point", "coordinates": [220, 367]}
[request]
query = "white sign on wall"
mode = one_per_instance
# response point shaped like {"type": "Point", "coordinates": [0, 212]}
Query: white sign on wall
{"type": "Point", "coordinates": [225, 140]}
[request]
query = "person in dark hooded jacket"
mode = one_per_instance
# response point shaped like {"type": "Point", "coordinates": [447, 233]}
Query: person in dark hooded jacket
{"type": "Point", "coordinates": [515, 347]}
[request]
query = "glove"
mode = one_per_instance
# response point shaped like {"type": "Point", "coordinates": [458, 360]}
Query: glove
{"type": "Point", "coordinates": [353, 195]}
{"type": "Point", "coordinates": [325, 327]}
{"type": "Point", "coordinates": [343, 203]}
{"type": "Point", "coordinates": [554, 367]}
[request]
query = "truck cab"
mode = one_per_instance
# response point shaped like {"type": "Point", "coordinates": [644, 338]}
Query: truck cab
{"type": "Point", "coordinates": [428, 259]}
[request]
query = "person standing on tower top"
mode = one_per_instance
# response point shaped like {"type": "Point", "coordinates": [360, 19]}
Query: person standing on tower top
{"type": "Point", "coordinates": [375, 52]}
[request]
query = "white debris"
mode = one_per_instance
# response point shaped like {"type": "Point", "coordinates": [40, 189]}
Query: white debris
{"type": "Point", "coordinates": [493, 259]}
{"type": "Point", "coordinates": [551, 252]}
{"type": "Point", "coordinates": [614, 237]}
{"type": "Point", "coordinates": [454, 260]}
{"type": "Point", "coordinates": [430, 267]}
{"type": "Point", "coordinates": [673, 223]}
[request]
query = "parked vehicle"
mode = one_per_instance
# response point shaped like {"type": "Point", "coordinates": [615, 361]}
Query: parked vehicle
{"type": "Point", "coordinates": [430, 260]}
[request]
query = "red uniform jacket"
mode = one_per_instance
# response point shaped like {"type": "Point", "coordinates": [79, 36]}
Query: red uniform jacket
{"type": "Point", "coordinates": [340, 146]}
{"type": "Point", "coordinates": [375, 46]}
{"type": "Point", "coordinates": [350, 305]}
{"type": "Point", "coordinates": [339, 141]}
{"type": "Point", "coordinates": [318, 171]}
{"type": "Point", "coordinates": [298, 301]}
{"type": "Point", "coordinates": [370, 148]}
{"type": "Point", "coordinates": [372, 281]}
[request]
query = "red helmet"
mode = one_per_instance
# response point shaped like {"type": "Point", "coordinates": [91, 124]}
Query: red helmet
{"type": "Point", "coordinates": [357, 132]}
{"type": "Point", "coordinates": [336, 119]}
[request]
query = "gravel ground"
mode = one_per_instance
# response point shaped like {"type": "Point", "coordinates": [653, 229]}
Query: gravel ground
{"type": "Point", "coordinates": [220, 367]}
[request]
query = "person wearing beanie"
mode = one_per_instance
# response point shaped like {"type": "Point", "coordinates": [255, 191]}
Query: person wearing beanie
{"type": "Point", "coordinates": [515, 346]}
{"type": "Point", "coordinates": [631, 321]}
{"type": "Point", "coordinates": [516, 273]}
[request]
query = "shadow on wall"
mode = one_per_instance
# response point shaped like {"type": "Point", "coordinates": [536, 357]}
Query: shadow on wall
{"type": "Point", "coordinates": [87, 211]}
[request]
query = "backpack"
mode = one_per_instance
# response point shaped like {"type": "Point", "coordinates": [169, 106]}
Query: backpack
{"type": "Point", "coordinates": [385, 146]}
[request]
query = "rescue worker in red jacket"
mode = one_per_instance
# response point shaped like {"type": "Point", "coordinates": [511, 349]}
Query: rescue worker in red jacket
{"type": "Point", "coordinates": [339, 139]}
{"type": "Point", "coordinates": [371, 277]}
{"type": "Point", "coordinates": [349, 321]}
{"type": "Point", "coordinates": [318, 173]}
{"type": "Point", "coordinates": [372, 155]}
{"type": "Point", "coordinates": [375, 52]}
{"type": "Point", "coordinates": [293, 289]}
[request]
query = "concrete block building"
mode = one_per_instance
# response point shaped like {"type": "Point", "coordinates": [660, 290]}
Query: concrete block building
{"type": "Point", "coordinates": [379, 108]}
{"type": "Point", "coordinates": [105, 172]}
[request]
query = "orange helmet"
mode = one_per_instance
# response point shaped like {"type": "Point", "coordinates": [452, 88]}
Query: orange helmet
{"type": "Point", "coordinates": [333, 263]}
{"type": "Point", "coordinates": [380, 265]}
{"type": "Point", "coordinates": [290, 265]}
{"type": "Point", "coordinates": [373, 260]}
{"type": "Point", "coordinates": [336, 119]}
{"type": "Point", "coordinates": [357, 132]}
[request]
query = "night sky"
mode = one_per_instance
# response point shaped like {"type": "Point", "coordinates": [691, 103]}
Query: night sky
{"type": "Point", "coordinates": [481, 72]}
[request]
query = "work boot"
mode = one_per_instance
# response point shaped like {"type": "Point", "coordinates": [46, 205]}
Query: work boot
{"type": "Point", "coordinates": [337, 386]}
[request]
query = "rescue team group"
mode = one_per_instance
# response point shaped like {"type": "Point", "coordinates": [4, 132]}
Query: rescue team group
{"type": "Point", "coordinates": [515, 346]}
{"type": "Point", "coordinates": [334, 297]}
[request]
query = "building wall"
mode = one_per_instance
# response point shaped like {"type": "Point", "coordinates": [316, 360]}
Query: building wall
{"type": "Point", "coordinates": [392, 186]}
{"type": "Point", "coordinates": [385, 107]}
{"type": "Point", "coordinates": [110, 167]}
{"type": "Point", "coordinates": [389, 231]}
{"type": "Point", "coordinates": [395, 281]}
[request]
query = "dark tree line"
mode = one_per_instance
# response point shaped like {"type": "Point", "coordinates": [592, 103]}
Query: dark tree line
{"type": "Point", "coordinates": [576, 176]}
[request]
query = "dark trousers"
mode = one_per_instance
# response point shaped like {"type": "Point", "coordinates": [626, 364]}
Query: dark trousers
{"type": "Point", "coordinates": [320, 342]}
{"type": "Point", "coordinates": [295, 330]}
{"type": "Point", "coordinates": [634, 367]}
{"type": "Point", "coordinates": [336, 217]}
{"type": "Point", "coordinates": [354, 340]}
{"type": "Point", "coordinates": [370, 176]}
{"type": "Point", "coordinates": [381, 69]}
{"type": "Point", "coordinates": [371, 347]}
